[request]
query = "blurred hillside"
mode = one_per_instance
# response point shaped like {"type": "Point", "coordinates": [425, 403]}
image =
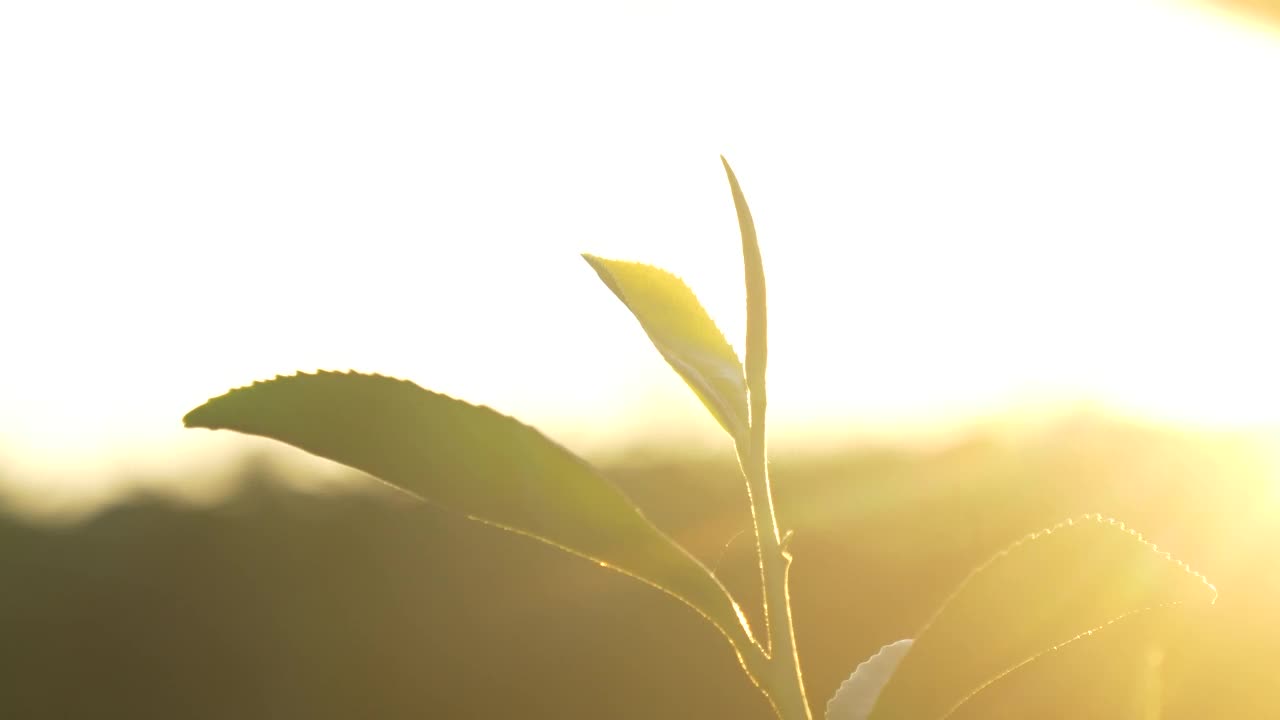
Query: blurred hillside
{"type": "Point", "coordinates": [360, 603]}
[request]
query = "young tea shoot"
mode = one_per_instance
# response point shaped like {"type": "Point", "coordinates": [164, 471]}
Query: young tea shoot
{"type": "Point", "coordinates": [1046, 590]}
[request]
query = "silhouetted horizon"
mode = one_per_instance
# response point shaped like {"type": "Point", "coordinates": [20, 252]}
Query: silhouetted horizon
{"type": "Point", "coordinates": [359, 602]}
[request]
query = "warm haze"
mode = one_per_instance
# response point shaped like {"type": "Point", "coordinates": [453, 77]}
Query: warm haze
{"type": "Point", "coordinates": [962, 210]}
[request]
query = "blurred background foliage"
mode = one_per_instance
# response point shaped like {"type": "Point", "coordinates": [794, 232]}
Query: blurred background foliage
{"type": "Point", "coordinates": [356, 602]}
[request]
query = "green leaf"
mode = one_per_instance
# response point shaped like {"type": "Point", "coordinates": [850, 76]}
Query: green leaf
{"type": "Point", "coordinates": [475, 461]}
{"type": "Point", "coordinates": [685, 334]}
{"type": "Point", "coordinates": [1043, 592]}
{"type": "Point", "coordinates": [757, 317]}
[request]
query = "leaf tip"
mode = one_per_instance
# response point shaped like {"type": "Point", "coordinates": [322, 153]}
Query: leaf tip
{"type": "Point", "coordinates": [202, 416]}
{"type": "Point", "coordinates": [209, 414]}
{"type": "Point", "coordinates": [857, 695]}
{"type": "Point", "coordinates": [733, 179]}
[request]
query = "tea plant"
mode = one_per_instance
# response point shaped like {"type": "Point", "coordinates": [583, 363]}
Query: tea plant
{"type": "Point", "coordinates": [1044, 591]}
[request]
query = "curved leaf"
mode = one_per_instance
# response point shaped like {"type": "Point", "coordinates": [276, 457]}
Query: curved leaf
{"type": "Point", "coordinates": [685, 334]}
{"type": "Point", "coordinates": [475, 461]}
{"type": "Point", "coordinates": [857, 695]}
{"type": "Point", "coordinates": [1048, 589]}
{"type": "Point", "coordinates": [757, 318]}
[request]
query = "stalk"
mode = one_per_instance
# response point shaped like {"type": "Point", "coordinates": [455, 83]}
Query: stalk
{"type": "Point", "coordinates": [781, 679]}
{"type": "Point", "coordinates": [783, 682]}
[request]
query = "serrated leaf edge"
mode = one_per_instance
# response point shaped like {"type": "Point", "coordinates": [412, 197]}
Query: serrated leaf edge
{"type": "Point", "coordinates": [742, 642]}
{"type": "Point", "coordinates": [880, 656]}
{"type": "Point", "coordinates": [1070, 522]}
{"type": "Point", "coordinates": [738, 428]}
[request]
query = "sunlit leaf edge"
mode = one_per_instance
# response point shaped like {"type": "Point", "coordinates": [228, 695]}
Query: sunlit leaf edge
{"type": "Point", "coordinates": [1031, 537]}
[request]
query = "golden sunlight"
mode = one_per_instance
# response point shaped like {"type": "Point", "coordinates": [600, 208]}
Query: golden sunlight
{"type": "Point", "coordinates": [1021, 274]}
{"type": "Point", "coordinates": [1007, 206]}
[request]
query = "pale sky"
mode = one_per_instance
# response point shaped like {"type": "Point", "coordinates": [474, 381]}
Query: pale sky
{"type": "Point", "coordinates": [962, 207]}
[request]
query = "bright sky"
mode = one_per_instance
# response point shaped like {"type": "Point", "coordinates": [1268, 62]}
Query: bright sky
{"type": "Point", "coordinates": [962, 207]}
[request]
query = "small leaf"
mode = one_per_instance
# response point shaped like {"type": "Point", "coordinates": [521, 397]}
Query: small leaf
{"type": "Point", "coordinates": [685, 334]}
{"type": "Point", "coordinates": [856, 696]}
{"type": "Point", "coordinates": [757, 316]}
{"type": "Point", "coordinates": [475, 461]}
{"type": "Point", "coordinates": [1043, 592]}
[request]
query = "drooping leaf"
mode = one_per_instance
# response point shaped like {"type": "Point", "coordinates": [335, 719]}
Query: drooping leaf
{"type": "Point", "coordinates": [857, 695]}
{"type": "Point", "coordinates": [475, 461]}
{"type": "Point", "coordinates": [685, 334]}
{"type": "Point", "coordinates": [1043, 592]}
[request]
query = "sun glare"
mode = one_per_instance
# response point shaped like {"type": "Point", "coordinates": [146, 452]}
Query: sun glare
{"type": "Point", "coordinates": [997, 205]}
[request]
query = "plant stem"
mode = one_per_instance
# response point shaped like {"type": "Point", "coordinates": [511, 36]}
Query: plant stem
{"type": "Point", "coordinates": [781, 680]}
{"type": "Point", "coordinates": [783, 683]}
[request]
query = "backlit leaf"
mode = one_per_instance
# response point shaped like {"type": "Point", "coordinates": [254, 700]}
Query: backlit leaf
{"type": "Point", "coordinates": [1043, 592]}
{"type": "Point", "coordinates": [475, 461]}
{"type": "Point", "coordinates": [857, 695]}
{"type": "Point", "coordinates": [757, 317]}
{"type": "Point", "coordinates": [685, 334]}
